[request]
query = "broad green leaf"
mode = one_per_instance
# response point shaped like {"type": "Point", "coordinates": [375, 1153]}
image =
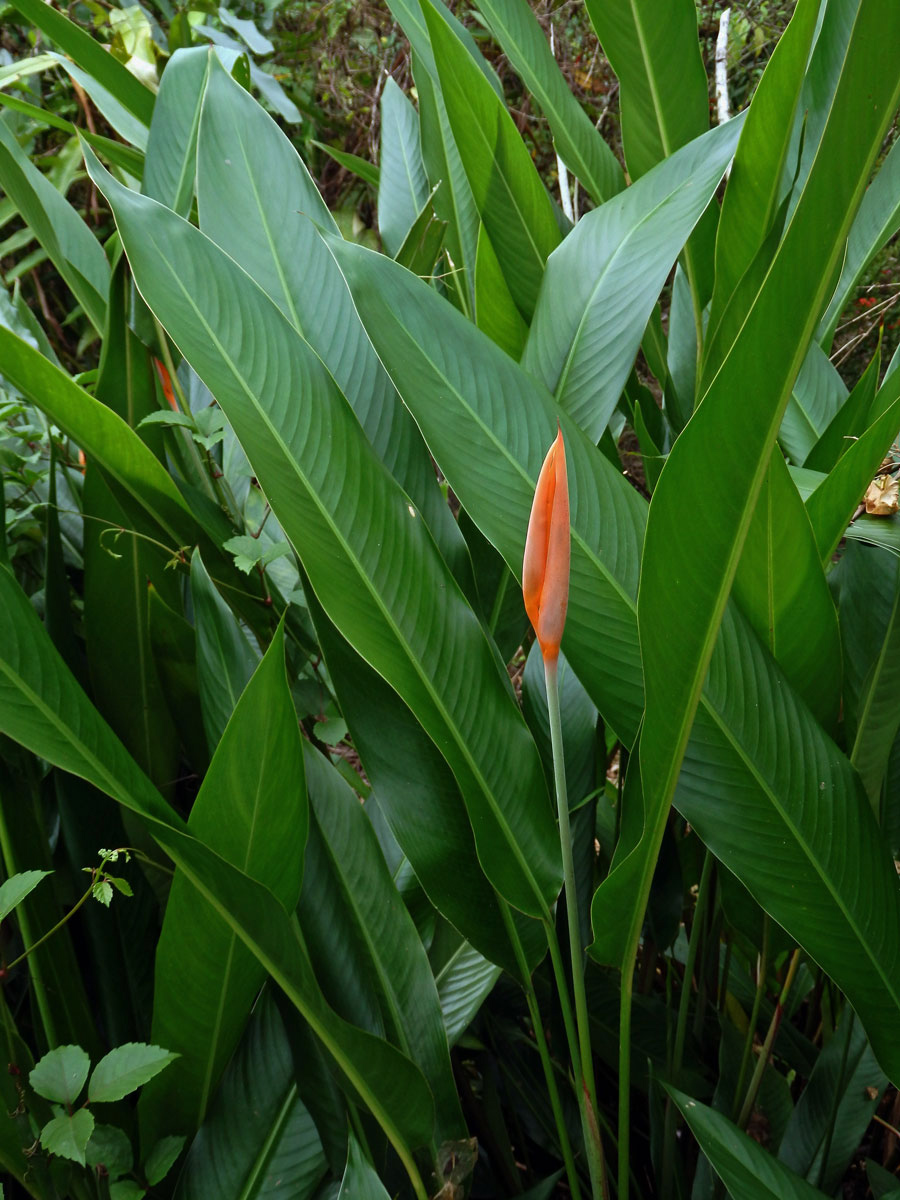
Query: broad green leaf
{"type": "Point", "coordinates": [91, 55]}
{"type": "Point", "coordinates": [171, 163]}
{"type": "Point", "coordinates": [489, 425]}
{"type": "Point", "coordinates": [318, 473]}
{"type": "Point", "coordinates": [402, 183]}
{"type": "Point", "coordinates": [267, 85]}
{"type": "Point", "coordinates": [495, 309]}
{"type": "Point", "coordinates": [876, 221]}
{"type": "Point", "coordinates": [848, 422]}
{"type": "Point", "coordinates": [68, 731]}
{"type": "Point", "coordinates": [360, 167]}
{"type": "Point", "coordinates": [602, 283]}
{"type": "Point", "coordinates": [129, 127]}
{"type": "Point", "coordinates": [117, 153]}
{"type": "Point", "coordinates": [801, 816]}
{"type": "Point", "coordinates": [252, 811]}
{"type": "Point", "coordinates": [360, 1181]}
{"type": "Point", "coordinates": [653, 48]}
{"type": "Point", "coordinates": [417, 794]}
{"type": "Point", "coordinates": [833, 501]}
{"type": "Point", "coordinates": [14, 890]}
{"type": "Point", "coordinates": [454, 202]}
{"type": "Point", "coordinates": [835, 1108]}
{"type": "Point", "coordinates": [70, 245]}
{"type": "Point", "coordinates": [409, 16]}
{"type": "Point", "coordinates": [464, 982]}
{"type": "Point", "coordinates": [68, 1135]}
{"type": "Point", "coordinates": [578, 143]}
{"type": "Point", "coordinates": [510, 197]}
{"type": "Point", "coordinates": [129, 466]}
{"type": "Point", "coordinates": [782, 590]}
{"type": "Point", "coordinates": [817, 396]}
{"type": "Point", "coordinates": [755, 183]}
{"type": "Point", "coordinates": [162, 1159]}
{"type": "Point", "coordinates": [363, 944]}
{"type": "Point", "coordinates": [691, 549]}
{"type": "Point", "coordinates": [870, 626]}
{"type": "Point", "coordinates": [261, 228]}
{"type": "Point", "coordinates": [61, 1073]}
{"type": "Point", "coordinates": [748, 1171]}
{"type": "Point", "coordinates": [258, 1141]}
{"type": "Point", "coordinates": [125, 1069]}
{"type": "Point", "coordinates": [225, 659]}
{"type": "Point", "coordinates": [423, 244]}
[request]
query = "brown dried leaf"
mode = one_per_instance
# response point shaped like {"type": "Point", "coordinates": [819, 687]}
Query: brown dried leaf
{"type": "Point", "coordinates": [883, 496]}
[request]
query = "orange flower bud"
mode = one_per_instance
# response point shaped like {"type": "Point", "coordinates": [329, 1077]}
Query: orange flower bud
{"type": "Point", "coordinates": [545, 572]}
{"type": "Point", "coordinates": [166, 381]}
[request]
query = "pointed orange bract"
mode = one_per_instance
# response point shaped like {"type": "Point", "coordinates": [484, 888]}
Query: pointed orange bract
{"type": "Point", "coordinates": [545, 572]}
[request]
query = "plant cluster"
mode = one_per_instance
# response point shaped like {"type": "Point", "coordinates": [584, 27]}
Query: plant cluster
{"type": "Point", "coordinates": [270, 500]}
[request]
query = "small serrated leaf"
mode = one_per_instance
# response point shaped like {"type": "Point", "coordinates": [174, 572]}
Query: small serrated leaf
{"type": "Point", "coordinates": [102, 892]}
{"type": "Point", "coordinates": [125, 1069]}
{"type": "Point", "coordinates": [127, 1189]}
{"type": "Point", "coordinates": [162, 1158]}
{"type": "Point", "coordinates": [121, 885]}
{"type": "Point", "coordinates": [60, 1074]}
{"type": "Point", "coordinates": [68, 1135]}
{"type": "Point", "coordinates": [16, 888]}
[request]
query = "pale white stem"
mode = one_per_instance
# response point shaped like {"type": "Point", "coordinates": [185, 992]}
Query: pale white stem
{"type": "Point", "coordinates": [723, 108]}
{"type": "Point", "coordinates": [565, 193]}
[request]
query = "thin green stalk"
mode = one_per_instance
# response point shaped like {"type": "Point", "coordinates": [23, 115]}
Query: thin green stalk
{"type": "Point", "coordinates": [772, 1033]}
{"type": "Point", "coordinates": [683, 1007]}
{"type": "Point", "coordinates": [762, 968]}
{"type": "Point", "coordinates": [50, 932]}
{"type": "Point", "coordinates": [543, 1052]}
{"type": "Point", "coordinates": [588, 1097]}
{"type": "Point", "coordinates": [187, 441]}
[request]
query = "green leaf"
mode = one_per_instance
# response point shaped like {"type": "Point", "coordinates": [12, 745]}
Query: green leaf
{"type": "Point", "coordinates": [464, 982]}
{"type": "Point", "coordinates": [875, 223]}
{"type": "Point", "coordinates": [60, 1074]}
{"type": "Point", "coordinates": [402, 183]}
{"type": "Point", "coordinates": [68, 731]}
{"type": "Point", "coordinates": [225, 659]}
{"type": "Point", "coordinates": [603, 281]}
{"type": "Point", "coordinates": [578, 143]}
{"type": "Point", "coordinates": [14, 890]}
{"type": "Point", "coordinates": [261, 228]}
{"type": "Point", "coordinates": [691, 550]}
{"type": "Point", "coordinates": [317, 473]}
{"type": "Point", "coordinates": [252, 811]}
{"type": "Point", "coordinates": [495, 309]}
{"type": "Point", "coordinates": [508, 192]}
{"type": "Point", "coordinates": [162, 1159]}
{"type": "Point", "coordinates": [848, 422]}
{"type": "Point", "coordinates": [258, 1141]}
{"type": "Point", "coordinates": [833, 500]}
{"type": "Point", "coordinates": [109, 1146]}
{"type": "Point", "coordinates": [748, 1171]}
{"type": "Point", "coordinates": [127, 1189]}
{"type": "Point", "coordinates": [360, 1181]}
{"type": "Point", "coordinates": [417, 794]}
{"type": "Point", "coordinates": [68, 1135]}
{"type": "Point", "coordinates": [835, 1109]}
{"type": "Point", "coordinates": [125, 1069]}
{"type": "Point", "coordinates": [818, 395]}
{"type": "Point", "coordinates": [754, 186]}
{"type": "Point", "coordinates": [364, 946]}
{"type": "Point", "coordinates": [870, 626]}
{"type": "Point", "coordinates": [653, 48]}
{"type": "Point", "coordinates": [70, 245]}
{"type": "Point", "coordinates": [361, 167]}
{"type": "Point", "coordinates": [171, 163]}
{"type": "Point", "coordinates": [129, 127]}
{"type": "Point", "coordinates": [91, 55]}
{"type": "Point", "coordinates": [781, 588]}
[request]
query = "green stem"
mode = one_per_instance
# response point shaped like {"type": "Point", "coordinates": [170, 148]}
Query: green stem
{"type": "Point", "coordinates": [50, 932]}
{"type": "Point", "coordinates": [849, 1015]}
{"type": "Point", "coordinates": [588, 1096]}
{"type": "Point", "coordinates": [683, 1007]}
{"type": "Point", "coordinates": [761, 972]}
{"type": "Point", "coordinates": [544, 1053]}
{"type": "Point", "coordinates": [763, 1059]}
